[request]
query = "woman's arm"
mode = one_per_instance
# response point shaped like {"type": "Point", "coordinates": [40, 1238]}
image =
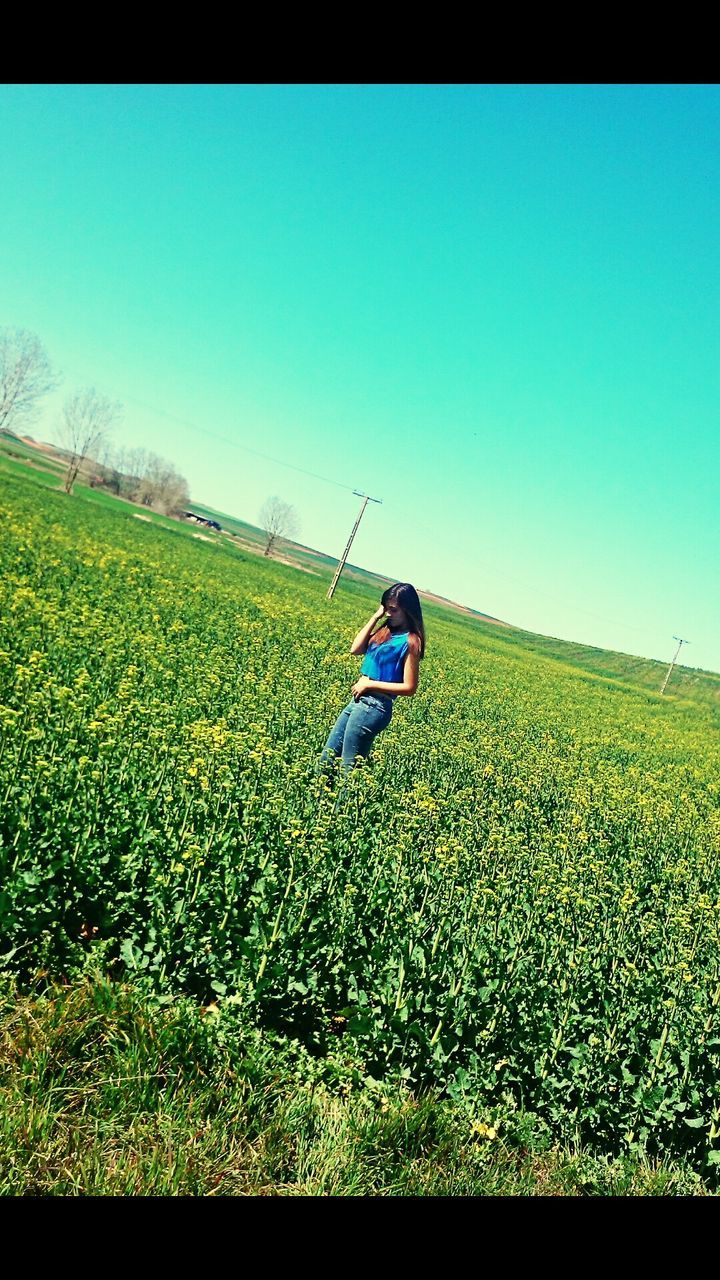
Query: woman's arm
{"type": "Point", "coordinates": [411, 676]}
{"type": "Point", "coordinates": [362, 639]}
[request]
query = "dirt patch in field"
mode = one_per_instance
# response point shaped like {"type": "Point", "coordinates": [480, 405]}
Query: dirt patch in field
{"type": "Point", "coordinates": [295, 565]}
{"type": "Point", "coordinates": [461, 608]}
{"type": "Point", "coordinates": [257, 549]}
{"type": "Point", "coordinates": [137, 516]}
{"type": "Point", "coordinates": [44, 448]}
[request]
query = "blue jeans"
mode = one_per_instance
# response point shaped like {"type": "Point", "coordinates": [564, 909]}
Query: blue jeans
{"type": "Point", "coordinates": [356, 728]}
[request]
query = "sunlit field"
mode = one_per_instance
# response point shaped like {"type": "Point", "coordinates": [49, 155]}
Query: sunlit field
{"type": "Point", "coordinates": [514, 906]}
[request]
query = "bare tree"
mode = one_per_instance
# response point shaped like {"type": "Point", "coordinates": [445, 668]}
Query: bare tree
{"type": "Point", "coordinates": [86, 423]}
{"type": "Point", "coordinates": [102, 470]}
{"type": "Point", "coordinates": [142, 477]}
{"type": "Point", "coordinates": [26, 376]}
{"type": "Point", "coordinates": [132, 465]}
{"type": "Point", "coordinates": [279, 520]}
{"type": "Point", "coordinates": [160, 486]}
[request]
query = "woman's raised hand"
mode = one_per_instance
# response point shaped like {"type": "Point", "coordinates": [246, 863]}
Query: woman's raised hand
{"type": "Point", "coordinates": [378, 614]}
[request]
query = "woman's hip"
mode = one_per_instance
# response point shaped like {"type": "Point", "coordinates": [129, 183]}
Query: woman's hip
{"type": "Point", "coordinates": [371, 708]}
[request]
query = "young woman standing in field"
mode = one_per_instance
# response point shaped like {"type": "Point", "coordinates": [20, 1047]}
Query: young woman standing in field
{"type": "Point", "coordinates": [390, 669]}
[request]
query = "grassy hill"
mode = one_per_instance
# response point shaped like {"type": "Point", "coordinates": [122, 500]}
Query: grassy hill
{"type": "Point", "coordinates": [20, 455]}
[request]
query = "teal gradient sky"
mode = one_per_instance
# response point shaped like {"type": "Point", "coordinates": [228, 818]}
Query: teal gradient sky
{"type": "Point", "coordinates": [496, 308]}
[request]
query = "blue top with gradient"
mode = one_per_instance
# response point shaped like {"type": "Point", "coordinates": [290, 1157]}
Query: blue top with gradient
{"type": "Point", "coordinates": [386, 661]}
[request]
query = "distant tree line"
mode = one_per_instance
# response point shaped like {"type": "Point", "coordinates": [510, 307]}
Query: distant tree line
{"type": "Point", "coordinates": [84, 431]}
{"type": "Point", "coordinates": [141, 477]}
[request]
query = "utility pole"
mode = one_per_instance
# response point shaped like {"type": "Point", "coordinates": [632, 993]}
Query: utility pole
{"type": "Point", "coordinates": [672, 664]}
{"type": "Point", "coordinates": [346, 552]}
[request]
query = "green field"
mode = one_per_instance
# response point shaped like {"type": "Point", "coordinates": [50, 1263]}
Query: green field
{"type": "Point", "coordinates": [513, 912]}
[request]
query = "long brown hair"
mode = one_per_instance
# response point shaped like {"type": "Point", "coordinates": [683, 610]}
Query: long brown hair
{"type": "Point", "coordinates": [404, 595]}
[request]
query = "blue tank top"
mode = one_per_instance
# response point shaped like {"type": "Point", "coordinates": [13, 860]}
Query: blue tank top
{"type": "Point", "coordinates": [386, 661]}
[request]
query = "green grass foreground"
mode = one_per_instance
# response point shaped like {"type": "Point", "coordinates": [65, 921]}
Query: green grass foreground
{"type": "Point", "coordinates": [103, 1092]}
{"type": "Point", "coordinates": [498, 942]}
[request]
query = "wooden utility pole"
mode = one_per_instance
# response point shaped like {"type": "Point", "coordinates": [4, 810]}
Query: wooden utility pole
{"type": "Point", "coordinates": [346, 552]}
{"type": "Point", "coordinates": [672, 664]}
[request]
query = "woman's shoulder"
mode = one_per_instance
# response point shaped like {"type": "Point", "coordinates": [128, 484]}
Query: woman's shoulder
{"type": "Point", "coordinates": [413, 642]}
{"type": "Point", "coordinates": [379, 637]}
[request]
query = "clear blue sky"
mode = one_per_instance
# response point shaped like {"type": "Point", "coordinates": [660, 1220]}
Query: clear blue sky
{"type": "Point", "coordinates": [494, 307]}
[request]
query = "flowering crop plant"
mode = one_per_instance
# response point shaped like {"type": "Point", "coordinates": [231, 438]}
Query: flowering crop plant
{"type": "Point", "coordinates": [516, 902]}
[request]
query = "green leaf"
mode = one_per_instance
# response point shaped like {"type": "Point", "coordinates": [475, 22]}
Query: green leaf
{"type": "Point", "coordinates": [130, 954]}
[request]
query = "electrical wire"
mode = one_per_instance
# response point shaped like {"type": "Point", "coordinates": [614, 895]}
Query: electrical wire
{"type": "Point", "coordinates": [281, 462]}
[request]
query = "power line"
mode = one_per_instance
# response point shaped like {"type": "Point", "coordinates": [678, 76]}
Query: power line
{"type": "Point", "coordinates": [235, 444]}
{"type": "Point", "coordinates": [205, 431]}
{"type": "Point", "coordinates": [290, 466]}
{"type": "Point", "coordinates": [258, 453]}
